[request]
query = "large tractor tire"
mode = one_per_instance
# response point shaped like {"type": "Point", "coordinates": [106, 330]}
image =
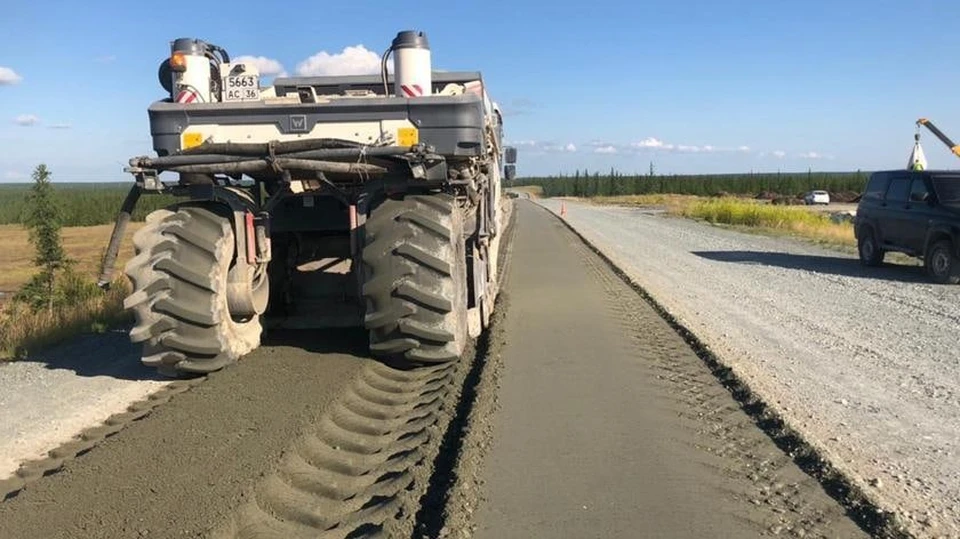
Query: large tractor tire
{"type": "Point", "coordinates": [180, 293]}
{"type": "Point", "coordinates": [415, 280]}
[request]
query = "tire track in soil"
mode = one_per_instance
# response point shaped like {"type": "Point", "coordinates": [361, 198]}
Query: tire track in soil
{"type": "Point", "coordinates": [455, 469]}
{"type": "Point", "coordinates": [354, 473]}
{"type": "Point", "coordinates": [370, 467]}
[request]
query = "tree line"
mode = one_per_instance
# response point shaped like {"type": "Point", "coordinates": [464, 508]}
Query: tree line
{"type": "Point", "coordinates": [614, 183]}
{"type": "Point", "coordinates": [77, 204]}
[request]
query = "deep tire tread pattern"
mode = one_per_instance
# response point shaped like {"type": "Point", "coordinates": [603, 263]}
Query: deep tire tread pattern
{"type": "Point", "coordinates": [415, 286]}
{"type": "Point", "coordinates": [353, 474]}
{"type": "Point", "coordinates": [179, 293]}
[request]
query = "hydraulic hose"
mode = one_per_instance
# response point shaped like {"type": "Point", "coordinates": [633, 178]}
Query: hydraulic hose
{"type": "Point", "coordinates": [259, 165]}
{"type": "Point", "coordinates": [119, 227]}
{"type": "Point", "coordinates": [210, 159]}
{"type": "Point", "coordinates": [259, 149]}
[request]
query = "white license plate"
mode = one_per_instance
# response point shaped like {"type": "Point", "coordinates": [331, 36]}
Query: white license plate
{"type": "Point", "coordinates": [241, 88]}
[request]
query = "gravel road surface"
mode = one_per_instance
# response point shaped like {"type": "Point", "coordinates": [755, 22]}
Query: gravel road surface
{"type": "Point", "coordinates": [863, 362]}
{"type": "Point", "coordinates": [46, 400]}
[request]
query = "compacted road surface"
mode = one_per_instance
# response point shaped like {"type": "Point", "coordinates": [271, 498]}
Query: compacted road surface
{"type": "Point", "coordinates": [611, 426]}
{"type": "Point", "coordinates": [863, 362]}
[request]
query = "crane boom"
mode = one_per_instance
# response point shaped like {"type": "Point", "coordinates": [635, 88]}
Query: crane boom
{"type": "Point", "coordinates": [940, 135]}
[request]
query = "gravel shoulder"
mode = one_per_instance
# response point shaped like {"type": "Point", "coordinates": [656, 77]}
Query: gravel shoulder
{"type": "Point", "coordinates": [47, 400]}
{"type": "Point", "coordinates": [863, 362]}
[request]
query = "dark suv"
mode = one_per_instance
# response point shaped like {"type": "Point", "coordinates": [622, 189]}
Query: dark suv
{"type": "Point", "coordinates": [913, 212]}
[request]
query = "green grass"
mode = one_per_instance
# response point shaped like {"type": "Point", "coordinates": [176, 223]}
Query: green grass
{"type": "Point", "coordinates": [799, 221]}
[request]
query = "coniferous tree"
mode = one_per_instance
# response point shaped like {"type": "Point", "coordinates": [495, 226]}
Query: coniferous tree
{"type": "Point", "coordinates": [44, 221]}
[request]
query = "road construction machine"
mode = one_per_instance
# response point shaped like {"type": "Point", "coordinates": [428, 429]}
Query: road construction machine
{"type": "Point", "coordinates": [368, 201]}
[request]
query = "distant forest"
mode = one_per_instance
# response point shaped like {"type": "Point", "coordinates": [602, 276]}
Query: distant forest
{"type": "Point", "coordinates": [613, 183]}
{"type": "Point", "coordinates": [81, 204]}
{"type": "Point", "coordinates": [87, 204]}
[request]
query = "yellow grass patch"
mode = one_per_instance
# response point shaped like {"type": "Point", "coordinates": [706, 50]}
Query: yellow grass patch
{"type": "Point", "coordinates": [797, 220]}
{"type": "Point", "coordinates": [22, 331]}
{"type": "Point", "coordinates": [85, 244]}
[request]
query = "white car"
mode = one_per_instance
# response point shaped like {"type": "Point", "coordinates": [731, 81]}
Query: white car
{"type": "Point", "coordinates": [817, 197]}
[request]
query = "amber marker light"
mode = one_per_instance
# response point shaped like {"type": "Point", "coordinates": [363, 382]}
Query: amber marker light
{"type": "Point", "coordinates": [178, 62]}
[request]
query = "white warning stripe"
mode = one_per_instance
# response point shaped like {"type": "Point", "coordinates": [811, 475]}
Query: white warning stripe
{"type": "Point", "coordinates": [186, 96]}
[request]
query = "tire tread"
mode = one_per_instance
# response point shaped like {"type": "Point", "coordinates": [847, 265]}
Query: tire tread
{"type": "Point", "coordinates": [415, 284]}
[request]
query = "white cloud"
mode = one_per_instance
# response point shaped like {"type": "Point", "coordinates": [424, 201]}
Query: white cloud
{"type": "Point", "coordinates": [527, 143]}
{"type": "Point", "coordinates": [651, 142]}
{"type": "Point", "coordinates": [59, 126]}
{"type": "Point", "coordinates": [811, 155]}
{"type": "Point", "coordinates": [540, 146]}
{"type": "Point", "coordinates": [8, 76]}
{"type": "Point", "coordinates": [266, 66]}
{"type": "Point", "coordinates": [26, 120]}
{"type": "Point", "coordinates": [13, 175]}
{"type": "Point", "coordinates": [633, 148]}
{"type": "Point", "coordinates": [354, 60]}
{"type": "Point", "coordinates": [558, 148]}
{"type": "Point", "coordinates": [779, 154]}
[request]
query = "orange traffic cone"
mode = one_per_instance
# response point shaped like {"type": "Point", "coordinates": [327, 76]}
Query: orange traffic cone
{"type": "Point", "coordinates": [563, 209]}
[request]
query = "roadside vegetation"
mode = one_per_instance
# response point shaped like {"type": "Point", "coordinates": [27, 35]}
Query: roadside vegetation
{"type": "Point", "coordinates": [757, 215]}
{"type": "Point", "coordinates": [754, 214]}
{"type": "Point", "coordinates": [796, 221]}
{"type": "Point", "coordinates": [57, 300]}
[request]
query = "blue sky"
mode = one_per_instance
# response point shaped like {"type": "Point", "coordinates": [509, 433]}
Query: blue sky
{"type": "Point", "coordinates": [695, 87]}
